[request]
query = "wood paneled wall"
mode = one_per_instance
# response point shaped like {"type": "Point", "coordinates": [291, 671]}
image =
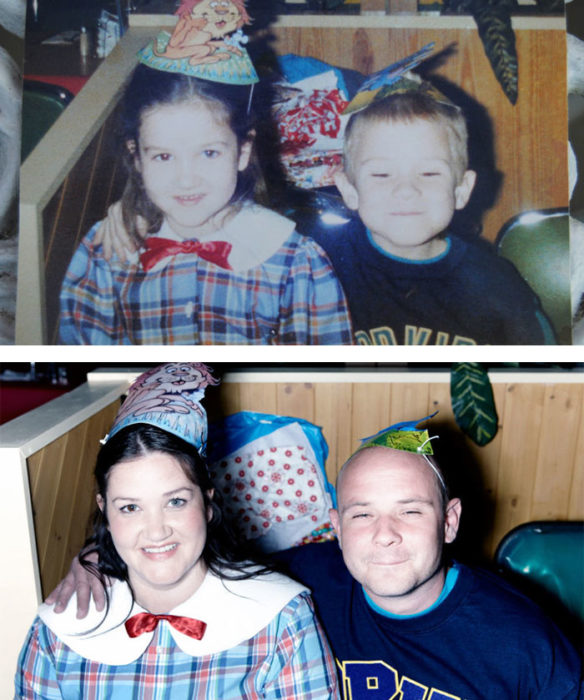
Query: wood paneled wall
{"type": "Point", "coordinates": [532, 470]}
{"type": "Point", "coordinates": [62, 493]}
{"type": "Point", "coordinates": [96, 181]}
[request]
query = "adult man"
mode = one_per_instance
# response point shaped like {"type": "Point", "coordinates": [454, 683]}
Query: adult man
{"type": "Point", "coordinates": [403, 622]}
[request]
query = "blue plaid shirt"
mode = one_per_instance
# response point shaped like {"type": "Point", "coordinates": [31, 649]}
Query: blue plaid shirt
{"type": "Point", "coordinates": [289, 658]}
{"type": "Point", "coordinates": [293, 297]}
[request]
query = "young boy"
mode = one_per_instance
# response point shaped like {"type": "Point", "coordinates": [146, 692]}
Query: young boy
{"type": "Point", "coordinates": [408, 280]}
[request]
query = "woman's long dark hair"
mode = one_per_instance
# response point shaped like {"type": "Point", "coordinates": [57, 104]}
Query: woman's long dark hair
{"type": "Point", "coordinates": [149, 88]}
{"type": "Point", "coordinates": [225, 553]}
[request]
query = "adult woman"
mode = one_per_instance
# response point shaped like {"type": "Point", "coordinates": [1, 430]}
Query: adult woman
{"type": "Point", "coordinates": [185, 617]}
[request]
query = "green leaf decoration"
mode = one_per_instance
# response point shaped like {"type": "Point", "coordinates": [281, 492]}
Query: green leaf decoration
{"type": "Point", "coordinates": [472, 400]}
{"type": "Point", "coordinates": [498, 37]}
{"type": "Point", "coordinates": [493, 18]}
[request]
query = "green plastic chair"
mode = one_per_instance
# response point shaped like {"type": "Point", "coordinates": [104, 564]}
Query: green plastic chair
{"type": "Point", "coordinates": [42, 104]}
{"type": "Point", "coordinates": [538, 244]}
{"type": "Point", "coordinates": [547, 557]}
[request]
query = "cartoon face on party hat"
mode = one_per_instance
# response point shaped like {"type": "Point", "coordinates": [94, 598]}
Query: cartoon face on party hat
{"type": "Point", "coordinates": [402, 436]}
{"type": "Point", "coordinates": [207, 43]}
{"type": "Point", "coordinates": [397, 78]}
{"type": "Point", "coordinates": [169, 396]}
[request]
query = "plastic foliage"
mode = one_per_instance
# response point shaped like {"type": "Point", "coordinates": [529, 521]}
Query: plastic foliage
{"type": "Point", "coordinates": [494, 24]}
{"type": "Point", "coordinates": [493, 19]}
{"type": "Point", "coordinates": [472, 401]}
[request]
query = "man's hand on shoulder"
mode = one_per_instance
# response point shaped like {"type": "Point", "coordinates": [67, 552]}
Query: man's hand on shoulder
{"type": "Point", "coordinates": [78, 580]}
{"type": "Point", "coordinates": [113, 236]}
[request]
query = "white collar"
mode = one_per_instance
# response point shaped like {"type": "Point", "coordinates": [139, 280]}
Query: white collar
{"type": "Point", "coordinates": [233, 610]}
{"type": "Point", "coordinates": [255, 234]}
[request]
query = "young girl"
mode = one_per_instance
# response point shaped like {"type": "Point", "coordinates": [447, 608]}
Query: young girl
{"type": "Point", "coordinates": [187, 616]}
{"type": "Point", "coordinates": [215, 267]}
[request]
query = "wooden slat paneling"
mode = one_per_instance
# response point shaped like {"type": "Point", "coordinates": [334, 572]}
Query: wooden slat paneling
{"type": "Point", "coordinates": [95, 182]}
{"type": "Point", "coordinates": [295, 398]}
{"type": "Point", "coordinates": [333, 413]}
{"type": "Point", "coordinates": [521, 426]}
{"type": "Point", "coordinates": [576, 506]}
{"type": "Point", "coordinates": [408, 400]}
{"type": "Point", "coordinates": [62, 492]}
{"type": "Point", "coordinates": [263, 396]}
{"type": "Point", "coordinates": [369, 411]}
{"type": "Point", "coordinates": [45, 470]}
{"type": "Point", "coordinates": [552, 478]}
{"type": "Point", "coordinates": [62, 525]}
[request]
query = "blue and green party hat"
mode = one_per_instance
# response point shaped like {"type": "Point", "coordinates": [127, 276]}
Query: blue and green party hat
{"type": "Point", "coordinates": [396, 78]}
{"type": "Point", "coordinates": [402, 436]}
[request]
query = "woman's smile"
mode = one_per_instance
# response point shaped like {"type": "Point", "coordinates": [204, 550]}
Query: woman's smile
{"type": "Point", "coordinates": [158, 523]}
{"type": "Point", "coordinates": [163, 552]}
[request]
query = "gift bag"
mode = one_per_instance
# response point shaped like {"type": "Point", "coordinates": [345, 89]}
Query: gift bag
{"type": "Point", "coordinates": [309, 116]}
{"type": "Point", "coordinates": [270, 473]}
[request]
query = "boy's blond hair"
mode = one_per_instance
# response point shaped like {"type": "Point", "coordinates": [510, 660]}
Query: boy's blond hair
{"type": "Point", "coordinates": [406, 107]}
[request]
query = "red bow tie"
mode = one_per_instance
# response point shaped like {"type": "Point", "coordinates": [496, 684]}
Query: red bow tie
{"type": "Point", "coordinates": [159, 248]}
{"type": "Point", "coordinates": [146, 622]}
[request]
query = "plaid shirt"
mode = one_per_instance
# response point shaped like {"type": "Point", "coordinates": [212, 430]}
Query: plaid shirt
{"type": "Point", "coordinates": [287, 659]}
{"type": "Point", "coordinates": [293, 297]}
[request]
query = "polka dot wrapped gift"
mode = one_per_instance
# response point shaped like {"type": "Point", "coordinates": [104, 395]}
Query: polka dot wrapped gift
{"type": "Point", "coordinates": [274, 487]}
